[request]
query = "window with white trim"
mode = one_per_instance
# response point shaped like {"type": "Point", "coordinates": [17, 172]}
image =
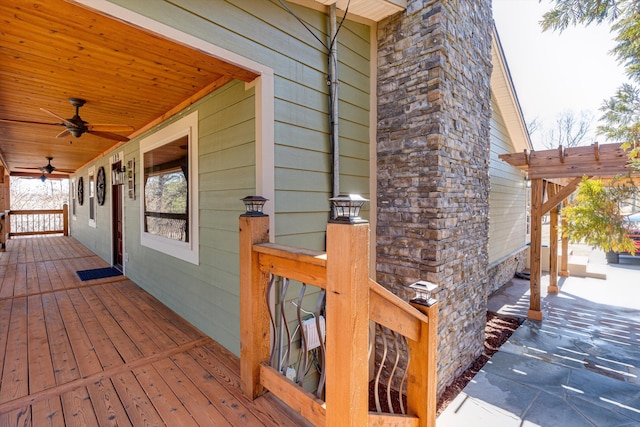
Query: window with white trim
{"type": "Point", "coordinates": [169, 183]}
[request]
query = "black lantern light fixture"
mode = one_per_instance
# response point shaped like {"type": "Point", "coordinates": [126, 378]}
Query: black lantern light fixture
{"type": "Point", "coordinates": [253, 205]}
{"type": "Point", "coordinates": [423, 290]}
{"type": "Point", "coordinates": [346, 208]}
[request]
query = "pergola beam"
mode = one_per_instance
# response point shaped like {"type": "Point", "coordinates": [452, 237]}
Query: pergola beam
{"type": "Point", "coordinates": [555, 199]}
{"type": "Point", "coordinates": [602, 160]}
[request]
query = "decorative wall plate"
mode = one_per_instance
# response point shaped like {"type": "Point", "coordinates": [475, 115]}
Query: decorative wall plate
{"type": "Point", "coordinates": [80, 191]}
{"type": "Point", "coordinates": [102, 185]}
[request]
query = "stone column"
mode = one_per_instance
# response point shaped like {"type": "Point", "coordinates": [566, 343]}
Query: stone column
{"type": "Point", "coordinates": [434, 107]}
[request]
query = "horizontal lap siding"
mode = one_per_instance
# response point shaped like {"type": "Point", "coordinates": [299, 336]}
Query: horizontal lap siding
{"type": "Point", "coordinates": [507, 199]}
{"type": "Point", "coordinates": [262, 31]}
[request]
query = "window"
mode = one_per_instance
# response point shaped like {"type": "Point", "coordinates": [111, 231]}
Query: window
{"type": "Point", "coordinates": [92, 197]}
{"type": "Point", "coordinates": [169, 213]}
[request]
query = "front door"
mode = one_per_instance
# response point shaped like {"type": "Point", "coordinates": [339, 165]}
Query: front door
{"type": "Point", "coordinates": [116, 203]}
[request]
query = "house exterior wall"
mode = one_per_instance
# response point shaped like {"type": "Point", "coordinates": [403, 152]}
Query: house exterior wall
{"type": "Point", "coordinates": [264, 32]}
{"type": "Point", "coordinates": [434, 110]}
{"type": "Point", "coordinates": [507, 209]}
{"type": "Point", "coordinates": [204, 294]}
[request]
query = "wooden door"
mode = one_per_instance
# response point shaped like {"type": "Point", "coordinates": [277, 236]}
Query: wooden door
{"type": "Point", "coordinates": [116, 203]}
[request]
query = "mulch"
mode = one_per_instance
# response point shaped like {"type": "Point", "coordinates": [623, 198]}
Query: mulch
{"type": "Point", "coordinates": [497, 332]}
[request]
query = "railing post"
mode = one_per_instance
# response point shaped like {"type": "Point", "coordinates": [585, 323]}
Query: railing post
{"type": "Point", "coordinates": [347, 338]}
{"type": "Point", "coordinates": [422, 371]}
{"type": "Point", "coordinates": [7, 225]}
{"type": "Point", "coordinates": [254, 313]}
{"type": "Point", "coordinates": [65, 219]}
{"type": "Point", "coordinates": [3, 242]}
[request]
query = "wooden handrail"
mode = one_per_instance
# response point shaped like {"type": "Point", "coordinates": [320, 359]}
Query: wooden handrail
{"type": "Point", "coordinates": [307, 256]}
{"type": "Point", "coordinates": [35, 211]}
{"type": "Point", "coordinates": [299, 264]}
{"type": "Point", "coordinates": [352, 300]}
{"type": "Point", "coordinates": [389, 310]}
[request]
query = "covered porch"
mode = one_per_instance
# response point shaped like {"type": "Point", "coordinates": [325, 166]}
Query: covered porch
{"type": "Point", "coordinates": [105, 352]}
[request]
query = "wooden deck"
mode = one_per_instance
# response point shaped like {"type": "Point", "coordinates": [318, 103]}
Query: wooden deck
{"type": "Point", "coordinates": [104, 352]}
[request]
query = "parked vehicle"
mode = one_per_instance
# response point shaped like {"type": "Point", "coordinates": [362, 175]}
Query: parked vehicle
{"type": "Point", "coordinates": [613, 257]}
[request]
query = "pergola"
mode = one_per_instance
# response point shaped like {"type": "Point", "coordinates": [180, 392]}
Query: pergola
{"type": "Point", "coordinates": [557, 173]}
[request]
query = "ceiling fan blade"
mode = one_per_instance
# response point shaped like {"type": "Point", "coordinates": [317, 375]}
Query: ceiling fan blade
{"type": "Point", "coordinates": [28, 122]}
{"type": "Point", "coordinates": [109, 135]}
{"type": "Point", "coordinates": [109, 128]}
{"type": "Point", "coordinates": [63, 134]}
{"type": "Point", "coordinates": [59, 117]}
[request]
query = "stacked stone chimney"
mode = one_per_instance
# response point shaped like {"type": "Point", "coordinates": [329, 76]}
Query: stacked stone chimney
{"type": "Point", "coordinates": [434, 112]}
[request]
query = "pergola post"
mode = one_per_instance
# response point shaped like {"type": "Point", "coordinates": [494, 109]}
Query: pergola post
{"type": "Point", "coordinates": [564, 261]}
{"type": "Point", "coordinates": [553, 246]}
{"type": "Point", "coordinates": [535, 312]}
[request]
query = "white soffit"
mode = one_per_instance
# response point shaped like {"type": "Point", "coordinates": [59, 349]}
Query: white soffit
{"type": "Point", "coordinates": [504, 92]}
{"type": "Point", "coordinates": [375, 10]}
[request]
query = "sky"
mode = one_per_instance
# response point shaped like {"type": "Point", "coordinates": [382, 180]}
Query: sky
{"type": "Point", "coordinates": [556, 72]}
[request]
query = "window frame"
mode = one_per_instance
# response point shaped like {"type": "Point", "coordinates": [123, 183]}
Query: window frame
{"type": "Point", "coordinates": [91, 199]}
{"type": "Point", "coordinates": [186, 251]}
{"type": "Point", "coordinates": [73, 195]}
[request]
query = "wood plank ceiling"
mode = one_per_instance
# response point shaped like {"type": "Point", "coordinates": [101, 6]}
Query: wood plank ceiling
{"type": "Point", "coordinates": [52, 50]}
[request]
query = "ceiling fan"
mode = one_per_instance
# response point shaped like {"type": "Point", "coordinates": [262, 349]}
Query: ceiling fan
{"type": "Point", "coordinates": [45, 170]}
{"type": "Point", "coordinates": [77, 127]}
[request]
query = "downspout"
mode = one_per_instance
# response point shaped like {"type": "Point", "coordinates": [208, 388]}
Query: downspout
{"type": "Point", "coordinates": [333, 98]}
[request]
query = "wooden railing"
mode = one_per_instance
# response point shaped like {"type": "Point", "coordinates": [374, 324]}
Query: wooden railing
{"type": "Point", "coordinates": [36, 222]}
{"type": "Point", "coordinates": [349, 301]}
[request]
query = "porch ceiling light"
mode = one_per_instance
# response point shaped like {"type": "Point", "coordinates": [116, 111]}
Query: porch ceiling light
{"type": "Point", "coordinates": [346, 208]}
{"type": "Point", "coordinates": [254, 205]}
{"type": "Point", "coordinates": [423, 292]}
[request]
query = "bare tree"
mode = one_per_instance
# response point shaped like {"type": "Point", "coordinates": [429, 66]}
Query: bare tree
{"type": "Point", "coordinates": [534, 125]}
{"type": "Point", "coordinates": [34, 194]}
{"type": "Point", "coordinates": [570, 130]}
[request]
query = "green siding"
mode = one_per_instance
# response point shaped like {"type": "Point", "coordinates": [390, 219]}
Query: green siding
{"type": "Point", "coordinates": [264, 32]}
{"type": "Point", "coordinates": [507, 199]}
{"type": "Point", "coordinates": [206, 295]}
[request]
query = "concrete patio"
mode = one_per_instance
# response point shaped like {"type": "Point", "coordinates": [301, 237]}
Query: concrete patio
{"type": "Point", "coordinates": [580, 366]}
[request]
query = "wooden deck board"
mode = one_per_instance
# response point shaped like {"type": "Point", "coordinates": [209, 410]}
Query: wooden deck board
{"type": "Point", "coordinates": [105, 353]}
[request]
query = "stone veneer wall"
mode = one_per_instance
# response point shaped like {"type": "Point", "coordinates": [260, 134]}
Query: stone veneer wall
{"type": "Point", "coordinates": [434, 111]}
{"type": "Point", "coordinates": [502, 271]}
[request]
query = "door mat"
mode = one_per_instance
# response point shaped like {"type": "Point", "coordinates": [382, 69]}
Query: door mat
{"type": "Point", "coordinates": [98, 273]}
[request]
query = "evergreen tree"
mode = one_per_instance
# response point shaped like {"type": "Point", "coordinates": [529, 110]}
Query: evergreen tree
{"type": "Point", "coordinates": [621, 113]}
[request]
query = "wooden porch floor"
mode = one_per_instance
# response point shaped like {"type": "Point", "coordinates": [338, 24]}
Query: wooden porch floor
{"type": "Point", "coordinates": [105, 352]}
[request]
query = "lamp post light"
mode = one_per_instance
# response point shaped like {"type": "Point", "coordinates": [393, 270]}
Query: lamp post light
{"type": "Point", "coordinates": [253, 205]}
{"type": "Point", "coordinates": [346, 209]}
{"type": "Point", "coordinates": [423, 292]}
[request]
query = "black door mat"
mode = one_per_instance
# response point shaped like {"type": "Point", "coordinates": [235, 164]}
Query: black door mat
{"type": "Point", "coordinates": [98, 273]}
